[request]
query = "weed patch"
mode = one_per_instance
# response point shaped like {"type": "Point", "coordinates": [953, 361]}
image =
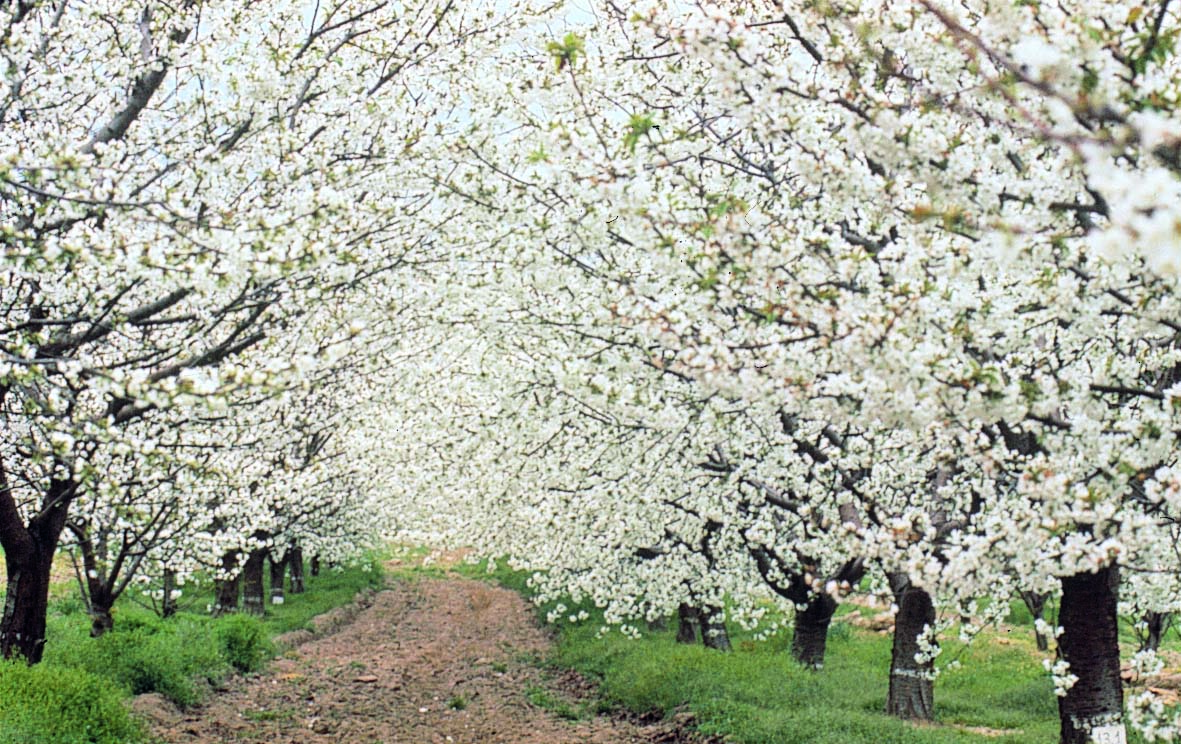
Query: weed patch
{"type": "Point", "coordinates": [244, 641]}
{"type": "Point", "coordinates": [543, 698]}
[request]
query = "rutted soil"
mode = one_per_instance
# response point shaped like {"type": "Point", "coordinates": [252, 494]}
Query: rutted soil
{"type": "Point", "coordinates": [430, 660]}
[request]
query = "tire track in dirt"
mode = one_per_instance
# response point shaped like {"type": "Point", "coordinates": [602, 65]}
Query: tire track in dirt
{"type": "Point", "coordinates": [431, 660]}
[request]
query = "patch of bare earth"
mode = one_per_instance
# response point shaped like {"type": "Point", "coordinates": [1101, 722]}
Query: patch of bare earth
{"type": "Point", "coordinates": [433, 660]}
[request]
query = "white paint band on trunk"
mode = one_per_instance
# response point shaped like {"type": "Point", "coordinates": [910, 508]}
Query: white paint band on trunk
{"type": "Point", "coordinates": [1109, 733]}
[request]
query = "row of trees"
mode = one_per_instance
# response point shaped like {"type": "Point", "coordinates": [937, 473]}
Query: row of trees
{"type": "Point", "coordinates": [212, 221]}
{"type": "Point", "coordinates": [781, 296]}
{"type": "Point", "coordinates": [685, 304]}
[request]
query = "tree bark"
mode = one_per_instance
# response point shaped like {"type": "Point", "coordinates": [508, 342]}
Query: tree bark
{"type": "Point", "coordinates": [713, 629]}
{"type": "Point", "coordinates": [253, 590]}
{"type": "Point", "coordinates": [315, 567]}
{"type": "Point", "coordinates": [1092, 708]}
{"type": "Point", "coordinates": [912, 683]}
{"type": "Point", "coordinates": [227, 589]}
{"type": "Point", "coordinates": [98, 591]}
{"type": "Point", "coordinates": [688, 623]}
{"type": "Point", "coordinates": [809, 638]}
{"type": "Point", "coordinates": [278, 577]}
{"type": "Point", "coordinates": [101, 619]}
{"type": "Point", "coordinates": [295, 564]}
{"type": "Point", "coordinates": [26, 603]}
{"type": "Point", "coordinates": [810, 633]}
{"type": "Point", "coordinates": [168, 602]}
{"type": "Point", "coordinates": [1036, 602]}
{"type": "Point", "coordinates": [1156, 623]}
{"type": "Point", "coordinates": [28, 557]}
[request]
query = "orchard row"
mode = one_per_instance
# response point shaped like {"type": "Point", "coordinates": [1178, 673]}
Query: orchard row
{"type": "Point", "coordinates": [683, 305]}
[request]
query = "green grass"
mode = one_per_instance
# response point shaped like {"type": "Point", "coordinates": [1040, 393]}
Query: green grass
{"type": "Point", "coordinates": [332, 588]}
{"type": "Point", "coordinates": [408, 565]}
{"type": "Point", "coordinates": [281, 714]}
{"type": "Point", "coordinates": [758, 695]}
{"type": "Point", "coordinates": [75, 694]}
{"type": "Point", "coordinates": [51, 705]}
{"type": "Point", "coordinates": [457, 702]}
{"type": "Point", "coordinates": [180, 658]}
{"type": "Point", "coordinates": [544, 698]}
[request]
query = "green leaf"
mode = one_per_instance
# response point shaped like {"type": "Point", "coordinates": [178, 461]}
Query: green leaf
{"type": "Point", "coordinates": [567, 51]}
{"type": "Point", "coordinates": [637, 126]}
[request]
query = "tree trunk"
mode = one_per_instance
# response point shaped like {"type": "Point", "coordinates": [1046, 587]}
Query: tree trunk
{"type": "Point", "coordinates": [278, 577]}
{"type": "Point", "coordinates": [688, 623]}
{"type": "Point", "coordinates": [315, 567]}
{"type": "Point", "coordinates": [98, 592]}
{"type": "Point", "coordinates": [168, 602]}
{"type": "Point", "coordinates": [659, 625]}
{"type": "Point", "coordinates": [101, 619]}
{"type": "Point", "coordinates": [26, 602]}
{"type": "Point", "coordinates": [253, 591]}
{"type": "Point", "coordinates": [1156, 623]}
{"type": "Point", "coordinates": [295, 564]}
{"type": "Point", "coordinates": [810, 634]}
{"type": "Point", "coordinates": [226, 589]}
{"type": "Point", "coordinates": [28, 557]}
{"type": "Point", "coordinates": [809, 638]}
{"type": "Point", "coordinates": [713, 629]}
{"type": "Point", "coordinates": [912, 683]}
{"type": "Point", "coordinates": [1036, 602]}
{"type": "Point", "coordinates": [1092, 709]}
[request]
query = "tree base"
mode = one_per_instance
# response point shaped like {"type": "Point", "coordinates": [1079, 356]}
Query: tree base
{"type": "Point", "coordinates": [809, 638]}
{"type": "Point", "coordinates": [912, 685]}
{"type": "Point", "coordinates": [1092, 709]}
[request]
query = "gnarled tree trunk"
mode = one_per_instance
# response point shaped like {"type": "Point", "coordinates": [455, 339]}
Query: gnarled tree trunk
{"type": "Point", "coordinates": [912, 683]}
{"type": "Point", "coordinates": [1092, 708]}
{"type": "Point", "coordinates": [809, 640]}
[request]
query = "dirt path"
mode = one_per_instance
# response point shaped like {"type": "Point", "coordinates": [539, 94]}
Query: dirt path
{"type": "Point", "coordinates": [431, 660]}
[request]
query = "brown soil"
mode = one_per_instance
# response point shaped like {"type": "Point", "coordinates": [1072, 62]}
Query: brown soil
{"type": "Point", "coordinates": [431, 660]}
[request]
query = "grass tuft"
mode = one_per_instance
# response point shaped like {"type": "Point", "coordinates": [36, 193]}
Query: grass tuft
{"type": "Point", "coordinates": [458, 702]}
{"type": "Point", "coordinates": [244, 642]}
